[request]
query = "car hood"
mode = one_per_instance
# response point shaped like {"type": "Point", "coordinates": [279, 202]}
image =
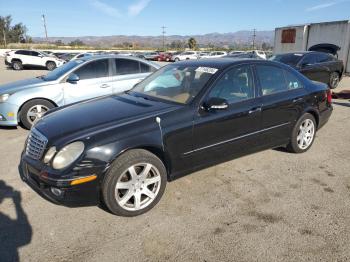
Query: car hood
{"type": "Point", "coordinates": [13, 87]}
{"type": "Point", "coordinates": [87, 118]}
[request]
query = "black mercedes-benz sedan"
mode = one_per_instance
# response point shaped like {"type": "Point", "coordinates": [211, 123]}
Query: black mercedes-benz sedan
{"type": "Point", "coordinates": [317, 66]}
{"type": "Point", "coordinates": [121, 150]}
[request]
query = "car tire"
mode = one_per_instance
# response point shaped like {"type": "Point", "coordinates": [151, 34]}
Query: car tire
{"type": "Point", "coordinates": [176, 59]}
{"type": "Point", "coordinates": [17, 65]}
{"type": "Point", "coordinates": [334, 80]}
{"type": "Point", "coordinates": [303, 134]}
{"type": "Point", "coordinates": [33, 110]}
{"type": "Point", "coordinates": [125, 182]}
{"type": "Point", "coordinates": [50, 65]}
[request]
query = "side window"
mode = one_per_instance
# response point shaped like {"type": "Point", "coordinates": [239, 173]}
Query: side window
{"type": "Point", "coordinates": [95, 69]}
{"type": "Point", "coordinates": [292, 81]}
{"type": "Point", "coordinates": [271, 79]}
{"type": "Point", "coordinates": [19, 52]}
{"type": "Point", "coordinates": [323, 57]}
{"type": "Point", "coordinates": [146, 68]}
{"type": "Point", "coordinates": [127, 66]}
{"type": "Point", "coordinates": [235, 85]}
{"type": "Point", "coordinates": [33, 53]}
{"type": "Point", "coordinates": [310, 59]}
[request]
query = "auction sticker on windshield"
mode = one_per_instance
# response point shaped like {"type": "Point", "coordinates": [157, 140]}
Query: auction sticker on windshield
{"type": "Point", "coordinates": [209, 70]}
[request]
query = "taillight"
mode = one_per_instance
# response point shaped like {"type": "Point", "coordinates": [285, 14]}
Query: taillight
{"type": "Point", "coordinates": [329, 96]}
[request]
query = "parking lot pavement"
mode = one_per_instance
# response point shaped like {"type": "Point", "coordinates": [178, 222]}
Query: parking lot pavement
{"type": "Point", "coordinates": [269, 206]}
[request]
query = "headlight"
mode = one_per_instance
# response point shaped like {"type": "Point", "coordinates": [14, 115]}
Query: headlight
{"type": "Point", "coordinates": [49, 155]}
{"type": "Point", "coordinates": [67, 155]}
{"type": "Point", "coordinates": [4, 97]}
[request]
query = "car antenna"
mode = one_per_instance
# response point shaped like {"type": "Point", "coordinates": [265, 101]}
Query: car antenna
{"type": "Point", "coordinates": [158, 120]}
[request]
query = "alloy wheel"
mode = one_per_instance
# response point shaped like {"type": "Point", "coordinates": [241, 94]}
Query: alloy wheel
{"type": "Point", "coordinates": [306, 134]}
{"type": "Point", "coordinates": [36, 112]}
{"type": "Point", "coordinates": [138, 186]}
{"type": "Point", "coordinates": [334, 80]}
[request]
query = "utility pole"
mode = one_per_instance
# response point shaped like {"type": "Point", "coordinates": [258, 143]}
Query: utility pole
{"type": "Point", "coordinates": [44, 20]}
{"type": "Point", "coordinates": [3, 31]}
{"type": "Point", "coordinates": [254, 36]}
{"type": "Point", "coordinates": [163, 32]}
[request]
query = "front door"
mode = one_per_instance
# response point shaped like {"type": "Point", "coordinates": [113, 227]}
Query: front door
{"type": "Point", "coordinates": [221, 134]}
{"type": "Point", "coordinates": [94, 81]}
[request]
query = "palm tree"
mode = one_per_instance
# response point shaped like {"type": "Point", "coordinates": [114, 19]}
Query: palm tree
{"type": "Point", "coordinates": [192, 43]}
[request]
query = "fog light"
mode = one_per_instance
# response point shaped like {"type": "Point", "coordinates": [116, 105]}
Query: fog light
{"type": "Point", "coordinates": [56, 191]}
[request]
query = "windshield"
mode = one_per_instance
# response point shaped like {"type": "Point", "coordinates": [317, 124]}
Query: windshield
{"type": "Point", "coordinates": [289, 59]}
{"type": "Point", "coordinates": [60, 71]}
{"type": "Point", "coordinates": [176, 83]}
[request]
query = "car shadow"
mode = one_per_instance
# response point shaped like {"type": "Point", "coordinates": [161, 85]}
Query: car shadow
{"type": "Point", "coordinates": [14, 233]}
{"type": "Point", "coordinates": [8, 127]}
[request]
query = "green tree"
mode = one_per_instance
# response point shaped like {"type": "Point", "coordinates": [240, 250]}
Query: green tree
{"type": "Point", "coordinates": [192, 43]}
{"type": "Point", "coordinates": [76, 42]}
{"type": "Point", "coordinates": [9, 33]}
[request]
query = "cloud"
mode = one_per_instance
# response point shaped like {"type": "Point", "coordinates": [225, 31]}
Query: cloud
{"type": "Point", "coordinates": [135, 9]}
{"type": "Point", "coordinates": [325, 5]}
{"type": "Point", "coordinates": [105, 8]}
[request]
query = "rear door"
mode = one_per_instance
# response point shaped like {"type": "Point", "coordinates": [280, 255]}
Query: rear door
{"type": "Point", "coordinates": [314, 68]}
{"type": "Point", "coordinates": [282, 95]}
{"type": "Point", "coordinates": [36, 59]}
{"type": "Point", "coordinates": [127, 73]}
{"type": "Point", "coordinates": [94, 81]}
{"type": "Point", "coordinates": [223, 134]}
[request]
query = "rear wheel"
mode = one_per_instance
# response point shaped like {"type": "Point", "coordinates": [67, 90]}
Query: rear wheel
{"type": "Point", "coordinates": [134, 184]}
{"type": "Point", "coordinates": [303, 134]}
{"type": "Point", "coordinates": [50, 65]}
{"type": "Point", "coordinates": [17, 65]}
{"type": "Point", "coordinates": [33, 110]}
{"type": "Point", "coordinates": [177, 59]}
{"type": "Point", "coordinates": [334, 80]}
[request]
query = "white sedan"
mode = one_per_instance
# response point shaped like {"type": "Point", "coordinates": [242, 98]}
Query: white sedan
{"type": "Point", "coordinates": [186, 56]}
{"type": "Point", "coordinates": [215, 54]}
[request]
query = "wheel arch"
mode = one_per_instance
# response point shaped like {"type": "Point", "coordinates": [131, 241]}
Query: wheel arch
{"type": "Point", "coordinates": [35, 98]}
{"type": "Point", "coordinates": [314, 113]}
{"type": "Point", "coordinates": [16, 59]}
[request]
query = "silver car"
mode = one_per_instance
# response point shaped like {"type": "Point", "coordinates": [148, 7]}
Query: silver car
{"type": "Point", "coordinates": [27, 100]}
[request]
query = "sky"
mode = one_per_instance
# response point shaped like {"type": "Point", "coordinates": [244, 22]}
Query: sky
{"type": "Point", "coordinates": [181, 17]}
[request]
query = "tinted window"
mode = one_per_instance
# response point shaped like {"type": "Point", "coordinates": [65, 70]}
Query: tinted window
{"type": "Point", "coordinates": [93, 69]}
{"type": "Point", "coordinates": [289, 59]}
{"type": "Point", "coordinates": [127, 66]}
{"type": "Point", "coordinates": [271, 79]}
{"type": "Point", "coordinates": [292, 81]}
{"type": "Point", "coordinates": [235, 85]}
{"type": "Point", "coordinates": [310, 59]}
{"type": "Point", "coordinates": [22, 52]}
{"type": "Point", "coordinates": [33, 53]}
{"type": "Point", "coordinates": [323, 57]}
{"type": "Point", "coordinates": [146, 68]}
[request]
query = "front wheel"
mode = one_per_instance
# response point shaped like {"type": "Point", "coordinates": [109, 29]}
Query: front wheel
{"type": "Point", "coordinates": [134, 184]}
{"type": "Point", "coordinates": [303, 134]}
{"type": "Point", "coordinates": [334, 80]}
{"type": "Point", "coordinates": [33, 110]}
{"type": "Point", "coordinates": [50, 66]}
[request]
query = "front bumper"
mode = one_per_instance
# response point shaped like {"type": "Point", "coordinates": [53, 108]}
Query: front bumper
{"type": "Point", "coordinates": [58, 189]}
{"type": "Point", "coordinates": [8, 114]}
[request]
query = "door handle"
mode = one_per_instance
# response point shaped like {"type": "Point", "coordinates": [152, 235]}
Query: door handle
{"type": "Point", "coordinates": [254, 110]}
{"type": "Point", "coordinates": [296, 100]}
{"type": "Point", "coordinates": [104, 86]}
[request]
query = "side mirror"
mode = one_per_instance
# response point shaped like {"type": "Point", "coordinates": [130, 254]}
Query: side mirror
{"type": "Point", "coordinates": [215, 103]}
{"type": "Point", "coordinates": [73, 78]}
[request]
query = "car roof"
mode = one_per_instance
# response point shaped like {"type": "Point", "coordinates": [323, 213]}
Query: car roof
{"type": "Point", "coordinates": [219, 63]}
{"type": "Point", "coordinates": [96, 57]}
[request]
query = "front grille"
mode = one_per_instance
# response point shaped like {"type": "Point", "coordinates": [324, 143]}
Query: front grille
{"type": "Point", "coordinates": [36, 144]}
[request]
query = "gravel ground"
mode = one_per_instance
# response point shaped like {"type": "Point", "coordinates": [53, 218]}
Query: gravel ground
{"type": "Point", "coordinates": [269, 206]}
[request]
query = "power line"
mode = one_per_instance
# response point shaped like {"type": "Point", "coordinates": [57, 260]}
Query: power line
{"type": "Point", "coordinates": [44, 20]}
{"type": "Point", "coordinates": [163, 32]}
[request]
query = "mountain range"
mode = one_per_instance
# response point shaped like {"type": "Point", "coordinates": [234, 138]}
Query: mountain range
{"type": "Point", "coordinates": [239, 38]}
